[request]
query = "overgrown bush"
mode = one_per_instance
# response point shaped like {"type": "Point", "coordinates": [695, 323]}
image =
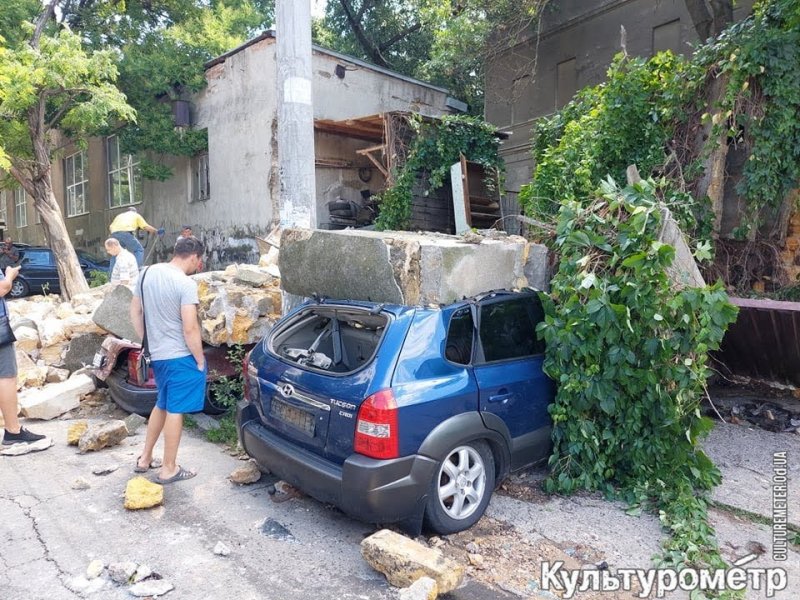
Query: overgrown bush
{"type": "Point", "coordinates": [98, 278]}
{"type": "Point", "coordinates": [227, 391]}
{"type": "Point", "coordinates": [629, 353]}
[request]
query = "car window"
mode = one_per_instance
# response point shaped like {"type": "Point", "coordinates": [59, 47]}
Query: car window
{"type": "Point", "coordinates": [508, 328]}
{"type": "Point", "coordinates": [39, 258]}
{"type": "Point", "coordinates": [458, 348]}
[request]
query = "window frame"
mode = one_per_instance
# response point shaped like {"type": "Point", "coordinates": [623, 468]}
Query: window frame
{"type": "Point", "coordinates": [478, 355]}
{"type": "Point", "coordinates": [70, 200]}
{"type": "Point", "coordinates": [18, 222]}
{"type": "Point", "coordinates": [201, 178]}
{"type": "Point", "coordinates": [473, 344]}
{"type": "Point", "coordinates": [118, 164]}
{"type": "Point", "coordinates": [4, 208]}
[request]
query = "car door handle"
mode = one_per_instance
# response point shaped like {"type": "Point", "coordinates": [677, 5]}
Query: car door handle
{"type": "Point", "coordinates": [501, 396]}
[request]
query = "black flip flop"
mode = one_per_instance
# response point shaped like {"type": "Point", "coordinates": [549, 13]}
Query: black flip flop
{"type": "Point", "coordinates": [154, 464]}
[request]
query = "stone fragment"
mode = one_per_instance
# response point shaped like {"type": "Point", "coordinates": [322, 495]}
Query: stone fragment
{"type": "Point", "coordinates": [55, 399]}
{"type": "Point", "coordinates": [81, 350]}
{"type": "Point", "coordinates": [472, 548]}
{"type": "Point", "coordinates": [151, 587]}
{"type": "Point", "coordinates": [75, 431]}
{"type": "Point", "coordinates": [53, 355]}
{"type": "Point", "coordinates": [247, 473]}
{"type": "Point", "coordinates": [64, 310]}
{"type": "Point", "coordinates": [403, 561]}
{"type": "Point", "coordinates": [52, 331]}
{"type": "Point", "coordinates": [85, 587]}
{"type": "Point", "coordinates": [251, 276]}
{"type": "Point", "coordinates": [99, 436]}
{"type": "Point", "coordinates": [27, 338]}
{"type": "Point", "coordinates": [113, 314]}
{"type": "Point", "coordinates": [476, 560]}
{"type": "Point", "coordinates": [221, 549]}
{"type": "Point", "coordinates": [122, 572]}
{"type": "Point", "coordinates": [206, 422]}
{"type": "Point", "coordinates": [423, 588]}
{"type": "Point", "coordinates": [95, 569]}
{"type": "Point", "coordinates": [683, 272]}
{"type": "Point", "coordinates": [20, 449]}
{"type": "Point", "coordinates": [133, 422]}
{"type": "Point", "coordinates": [80, 484]}
{"type": "Point", "coordinates": [56, 375]}
{"type": "Point", "coordinates": [29, 374]}
{"type": "Point", "coordinates": [141, 493]}
{"type": "Point", "coordinates": [104, 469]}
{"type": "Point", "coordinates": [142, 572]}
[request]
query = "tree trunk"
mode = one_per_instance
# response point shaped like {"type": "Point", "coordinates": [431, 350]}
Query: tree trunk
{"type": "Point", "coordinates": [710, 17]}
{"type": "Point", "coordinates": [712, 182]}
{"type": "Point", "coordinates": [40, 186]}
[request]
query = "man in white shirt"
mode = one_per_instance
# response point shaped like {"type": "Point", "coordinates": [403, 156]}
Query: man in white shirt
{"type": "Point", "coordinates": [126, 269]}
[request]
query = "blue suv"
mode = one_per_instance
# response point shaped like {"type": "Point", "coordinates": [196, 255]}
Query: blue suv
{"type": "Point", "coordinates": [399, 414]}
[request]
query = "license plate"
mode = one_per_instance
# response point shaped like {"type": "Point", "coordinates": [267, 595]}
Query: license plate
{"type": "Point", "coordinates": [99, 360]}
{"type": "Point", "coordinates": [299, 419]}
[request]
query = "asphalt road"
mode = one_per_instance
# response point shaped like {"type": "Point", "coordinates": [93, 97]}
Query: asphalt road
{"type": "Point", "coordinates": [50, 532]}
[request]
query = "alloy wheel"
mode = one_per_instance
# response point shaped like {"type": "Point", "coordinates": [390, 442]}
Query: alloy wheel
{"type": "Point", "coordinates": [462, 482]}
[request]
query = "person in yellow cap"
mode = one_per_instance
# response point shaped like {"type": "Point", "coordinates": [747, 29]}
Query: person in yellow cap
{"type": "Point", "coordinates": [123, 228]}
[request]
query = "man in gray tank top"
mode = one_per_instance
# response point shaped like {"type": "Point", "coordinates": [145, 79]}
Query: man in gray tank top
{"type": "Point", "coordinates": [167, 297]}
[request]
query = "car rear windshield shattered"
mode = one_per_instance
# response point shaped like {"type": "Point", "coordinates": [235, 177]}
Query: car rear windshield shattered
{"type": "Point", "coordinates": [329, 339]}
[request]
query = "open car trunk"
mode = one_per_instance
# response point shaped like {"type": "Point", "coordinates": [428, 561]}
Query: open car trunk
{"type": "Point", "coordinates": [330, 339]}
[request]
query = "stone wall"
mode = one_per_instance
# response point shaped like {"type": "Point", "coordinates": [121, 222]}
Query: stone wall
{"type": "Point", "coordinates": [791, 251]}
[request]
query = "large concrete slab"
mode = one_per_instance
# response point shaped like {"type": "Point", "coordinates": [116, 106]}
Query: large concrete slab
{"type": "Point", "coordinates": [403, 267]}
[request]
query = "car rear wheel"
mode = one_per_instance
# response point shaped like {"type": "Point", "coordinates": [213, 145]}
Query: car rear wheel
{"type": "Point", "coordinates": [461, 488]}
{"type": "Point", "coordinates": [19, 288]}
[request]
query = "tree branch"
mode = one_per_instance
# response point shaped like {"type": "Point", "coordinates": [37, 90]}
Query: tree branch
{"type": "Point", "coordinates": [44, 17]}
{"type": "Point", "coordinates": [367, 45]}
{"type": "Point", "coordinates": [396, 38]}
{"type": "Point", "coordinates": [366, 4]}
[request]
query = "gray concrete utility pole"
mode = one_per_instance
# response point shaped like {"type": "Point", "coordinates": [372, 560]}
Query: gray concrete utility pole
{"type": "Point", "coordinates": [298, 197]}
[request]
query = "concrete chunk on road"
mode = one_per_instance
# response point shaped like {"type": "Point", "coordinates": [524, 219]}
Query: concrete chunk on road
{"type": "Point", "coordinates": [142, 493]}
{"type": "Point", "coordinates": [54, 399]}
{"type": "Point", "coordinates": [99, 436]}
{"type": "Point", "coordinates": [404, 561]}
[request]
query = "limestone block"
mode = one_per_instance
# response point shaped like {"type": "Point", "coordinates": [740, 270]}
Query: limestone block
{"type": "Point", "coordinates": [56, 375]}
{"type": "Point", "coordinates": [251, 276]}
{"type": "Point", "coordinates": [29, 374]}
{"type": "Point", "coordinates": [55, 399]}
{"type": "Point", "coordinates": [75, 431]}
{"type": "Point", "coordinates": [213, 330]}
{"type": "Point", "coordinates": [27, 338]}
{"type": "Point", "coordinates": [102, 435]}
{"type": "Point", "coordinates": [64, 310]}
{"type": "Point", "coordinates": [247, 473]}
{"type": "Point", "coordinates": [52, 331]}
{"type": "Point", "coordinates": [404, 561]}
{"type": "Point", "coordinates": [77, 324]}
{"type": "Point", "coordinates": [54, 355]}
{"type": "Point", "coordinates": [399, 267]}
{"type": "Point", "coordinates": [141, 493]}
{"type": "Point", "coordinates": [424, 588]}
{"type": "Point", "coordinates": [270, 258]}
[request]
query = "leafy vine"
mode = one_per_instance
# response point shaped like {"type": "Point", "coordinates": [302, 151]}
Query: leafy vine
{"type": "Point", "coordinates": [436, 145]}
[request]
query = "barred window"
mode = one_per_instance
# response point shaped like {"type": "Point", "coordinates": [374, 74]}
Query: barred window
{"type": "Point", "coordinates": [202, 183]}
{"type": "Point", "coordinates": [20, 208]}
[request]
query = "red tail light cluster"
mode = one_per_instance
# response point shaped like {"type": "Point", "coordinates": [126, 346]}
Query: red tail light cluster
{"type": "Point", "coordinates": [376, 426]}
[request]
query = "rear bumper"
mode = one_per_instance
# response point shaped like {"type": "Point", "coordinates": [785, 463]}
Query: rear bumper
{"type": "Point", "coordinates": [375, 491]}
{"type": "Point", "coordinates": [130, 397]}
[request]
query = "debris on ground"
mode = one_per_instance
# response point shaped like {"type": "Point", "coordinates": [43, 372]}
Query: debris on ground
{"type": "Point", "coordinates": [102, 435]}
{"type": "Point", "coordinates": [221, 549]}
{"type": "Point", "coordinates": [247, 473]}
{"type": "Point", "coordinates": [141, 493]}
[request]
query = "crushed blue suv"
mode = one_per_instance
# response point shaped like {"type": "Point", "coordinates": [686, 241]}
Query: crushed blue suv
{"type": "Point", "coordinates": [399, 414]}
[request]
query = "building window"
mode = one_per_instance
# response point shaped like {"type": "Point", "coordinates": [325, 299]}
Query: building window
{"type": "Point", "coordinates": [667, 37]}
{"type": "Point", "coordinates": [202, 184]}
{"type": "Point", "coordinates": [20, 208]}
{"type": "Point", "coordinates": [566, 82]}
{"type": "Point", "coordinates": [124, 176]}
{"type": "Point", "coordinates": [3, 210]}
{"type": "Point", "coordinates": [76, 183]}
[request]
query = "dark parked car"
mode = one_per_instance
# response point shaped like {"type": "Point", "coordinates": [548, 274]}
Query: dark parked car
{"type": "Point", "coordinates": [39, 273]}
{"type": "Point", "coordinates": [115, 364]}
{"type": "Point", "coordinates": [400, 414]}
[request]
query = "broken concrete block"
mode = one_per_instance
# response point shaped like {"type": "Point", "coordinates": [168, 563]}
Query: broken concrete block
{"type": "Point", "coordinates": [81, 350]}
{"type": "Point", "coordinates": [247, 473]}
{"type": "Point", "coordinates": [133, 422]}
{"type": "Point", "coordinates": [251, 276]}
{"type": "Point", "coordinates": [100, 436]}
{"type": "Point", "coordinates": [122, 572]}
{"type": "Point", "coordinates": [29, 374]}
{"type": "Point", "coordinates": [56, 375]}
{"type": "Point", "coordinates": [400, 267]}
{"type": "Point", "coordinates": [141, 493]}
{"type": "Point", "coordinates": [27, 338]}
{"type": "Point", "coordinates": [113, 314]}
{"type": "Point", "coordinates": [75, 431]}
{"type": "Point", "coordinates": [404, 561]}
{"type": "Point", "coordinates": [54, 399]}
{"type": "Point", "coordinates": [683, 272]}
{"type": "Point", "coordinates": [151, 588]}
{"type": "Point", "coordinates": [52, 331]}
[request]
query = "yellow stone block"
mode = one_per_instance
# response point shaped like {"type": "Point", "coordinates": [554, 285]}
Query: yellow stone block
{"type": "Point", "coordinates": [75, 431]}
{"type": "Point", "coordinates": [142, 493]}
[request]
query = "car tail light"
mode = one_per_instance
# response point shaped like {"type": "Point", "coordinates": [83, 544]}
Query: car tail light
{"type": "Point", "coordinates": [133, 358]}
{"type": "Point", "coordinates": [376, 426]}
{"type": "Point", "coordinates": [245, 377]}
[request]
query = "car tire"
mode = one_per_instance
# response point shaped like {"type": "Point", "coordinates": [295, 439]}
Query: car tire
{"type": "Point", "coordinates": [19, 288]}
{"type": "Point", "coordinates": [212, 406]}
{"type": "Point", "coordinates": [461, 488]}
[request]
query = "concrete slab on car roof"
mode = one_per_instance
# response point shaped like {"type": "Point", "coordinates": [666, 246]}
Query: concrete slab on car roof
{"type": "Point", "coordinates": [404, 267]}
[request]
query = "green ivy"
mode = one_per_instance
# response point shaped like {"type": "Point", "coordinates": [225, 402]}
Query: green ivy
{"type": "Point", "coordinates": [630, 354]}
{"type": "Point", "coordinates": [436, 145]}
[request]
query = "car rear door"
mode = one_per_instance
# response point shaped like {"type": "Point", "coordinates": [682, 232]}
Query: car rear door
{"type": "Point", "coordinates": [508, 369]}
{"type": "Point", "coordinates": [39, 269]}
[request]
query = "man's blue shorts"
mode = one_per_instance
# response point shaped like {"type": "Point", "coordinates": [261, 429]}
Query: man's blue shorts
{"type": "Point", "coordinates": [181, 387]}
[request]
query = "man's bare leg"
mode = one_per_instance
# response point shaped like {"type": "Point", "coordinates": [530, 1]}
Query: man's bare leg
{"type": "Point", "coordinates": [8, 403]}
{"type": "Point", "coordinates": [173, 427]}
{"type": "Point", "coordinates": [154, 427]}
